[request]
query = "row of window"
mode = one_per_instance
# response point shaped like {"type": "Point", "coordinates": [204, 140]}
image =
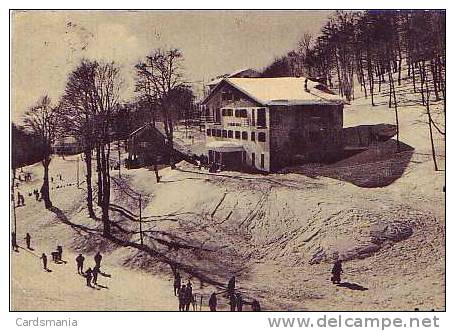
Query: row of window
{"type": "Point", "coordinates": [236, 134]}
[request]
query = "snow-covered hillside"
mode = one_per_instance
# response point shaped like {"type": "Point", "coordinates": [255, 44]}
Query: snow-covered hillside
{"type": "Point", "coordinates": [382, 212]}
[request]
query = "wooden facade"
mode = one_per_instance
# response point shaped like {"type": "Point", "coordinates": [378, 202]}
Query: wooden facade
{"type": "Point", "coordinates": [276, 134]}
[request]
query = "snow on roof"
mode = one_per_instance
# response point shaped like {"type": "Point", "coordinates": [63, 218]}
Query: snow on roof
{"type": "Point", "coordinates": [283, 91]}
{"type": "Point", "coordinates": [215, 81]}
{"type": "Point", "coordinates": [237, 72]}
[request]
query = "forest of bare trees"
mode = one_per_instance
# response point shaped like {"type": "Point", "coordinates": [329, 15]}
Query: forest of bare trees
{"type": "Point", "coordinates": [376, 51]}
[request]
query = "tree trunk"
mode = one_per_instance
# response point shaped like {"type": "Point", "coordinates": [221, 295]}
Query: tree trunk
{"type": "Point", "coordinates": [434, 69]}
{"type": "Point", "coordinates": [396, 109]}
{"type": "Point", "coordinates": [106, 190]}
{"type": "Point", "coordinates": [99, 173]}
{"type": "Point", "coordinates": [45, 188]}
{"type": "Point", "coordinates": [88, 179]}
{"type": "Point", "coordinates": [430, 127]}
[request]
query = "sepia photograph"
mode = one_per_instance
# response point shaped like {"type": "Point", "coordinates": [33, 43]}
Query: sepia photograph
{"type": "Point", "coordinates": [227, 160]}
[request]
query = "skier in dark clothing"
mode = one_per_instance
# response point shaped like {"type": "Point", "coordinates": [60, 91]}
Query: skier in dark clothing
{"type": "Point", "coordinates": [255, 306]}
{"type": "Point", "coordinates": [182, 297]}
{"type": "Point", "coordinates": [28, 239]}
{"type": "Point", "coordinates": [88, 277]}
{"type": "Point", "coordinates": [60, 252]}
{"type": "Point", "coordinates": [95, 272]}
{"type": "Point", "coordinates": [213, 302]}
{"type": "Point", "coordinates": [98, 257]}
{"type": "Point", "coordinates": [44, 258]}
{"type": "Point", "coordinates": [177, 283]}
{"type": "Point", "coordinates": [188, 296]}
{"type": "Point", "coordinates": [80, 264]}
{"type": "Point", "coordinates": [231, 286]}
{"type": "Point", "coordinates": [239, 302]}
{"type": "Point", "coordinates": [232, 301]}
{"type": "Point", "coordinates": [14, 241]}
{"type": "Point", "coordinates": [337, 270]}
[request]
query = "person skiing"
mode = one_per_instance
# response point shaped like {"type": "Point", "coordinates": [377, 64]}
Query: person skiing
{"type": "Point", "coordinates": [182, 296]}
{"type": "Point", "coordinates": [88, 277]}
{"type": "Point", "coordinates": [255, 306]}
{"type": "Point", "coordinates": [60, 252]}
{"type": "Point", "coordinates": [188, 296]}
{"type": "Point", "coordinates": [28, 239]}
{"type": "Point", "coordinates": [80, 264]}
{"type": "Point", "coordinates": [95, 272]}
{"type": "Point", "coordinates": [98, 257]}
{"type": "Point", "coordinates": [231, 286]}
{"type": "Point", "coordinates": [44, 258]}
{"type": "Point", "coordinates": [213, 302]}
{"type": "Point", "coordinates": [239, 302]}
{"type": "Point", "coordinates": [337, 270]}
{"type": "Point", "coordinates": [232, 301]}
{"type": "Point", "coordinates": [14, 241]}
{"type": "Point", "coordinates": [177, 283]}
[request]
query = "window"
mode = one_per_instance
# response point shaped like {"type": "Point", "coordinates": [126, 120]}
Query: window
{"type": "Point", "coordinates": [218, 133]}
{"type": "Point", "coordinates": [261, 121]}
{"type": "Point", "coordinates": [209, 132]}
{"type": "Point", "coordinates": [237, 134]}
{"type": "Point", "coordinates": [240, 113]}
{"type": "Point", "coordinates": [224, 134]}
{"type": "Point", "coordinates": [261, 137]}
{"type": "Point", "coordinates": [244, 135]}
{"type": "Point", "coordinates": [227, 112]}
{"type": "Point", "coordinates": [253, 159]}
{"type": "Point", "coordinates": [262, 160]}
{"type": "Point", "coordinates": [230, 134]}
{"type": "Point", "coordinates": [253, 136]}
{"type": "Point", "coordinates": [213, 132]}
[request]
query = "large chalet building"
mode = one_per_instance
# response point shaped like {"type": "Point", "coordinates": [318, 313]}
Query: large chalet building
{"type": "Point", "coordinates": [268, 123]}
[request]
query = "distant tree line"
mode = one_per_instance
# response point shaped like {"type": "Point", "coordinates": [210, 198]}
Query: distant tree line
{"type": "Point", "coordinates": [366, 45]}
{"type": "Point", "coordinates": [376, 49]}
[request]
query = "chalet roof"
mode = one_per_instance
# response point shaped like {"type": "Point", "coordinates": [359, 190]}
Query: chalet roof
{"type": "Point", "coordinates": [282, 91]}
{"type": "Point", "coordinates": [231, 75]}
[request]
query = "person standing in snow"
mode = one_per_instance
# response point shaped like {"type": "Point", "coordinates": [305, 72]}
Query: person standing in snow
{"type": "Point", "coordinates": [213, 302]}
{"type": "Point", "coordinates": [182, 297]}
{"type": "Point", "coordinates": [239, 302]}
{"type": "Point", "coordinates": [44, 258]}
{"type": "Point", "coordinates": [231, 286]}
{"type": "Point", "coordinates": [337, 270]}
{"type": "Point", "coordinates": [60, 252]}
{"type": "Point", "coordinates": [28, 239]}
{"type": "Point", "coordinates": [188, 296]}
{"type": "Point", "coordinates": [255, 306]}
{"type": "Point", "coordinates": [95, 272]}
{"type": "Point", "coordinates": [177, 283]}
{"type": "Point", "coordinates": [98, 257]}
{"type": "Point", "coordinates": [14, 241]}
{"type": "Point", "coordinates": [88, 277]}
{"type": "Point", "coordinates": [232, 301]}
{"type": "Point", "coordinates": [80, 264]}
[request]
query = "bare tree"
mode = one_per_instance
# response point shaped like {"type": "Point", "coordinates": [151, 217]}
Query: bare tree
{"type": "Point", "coordinates": [106, 90]}
{"type": "Point", "coordinates": [159, 75]}
{"type": "Point", "coordinates": [79, 109]}
{"type": "Point", "coordinates": [41, 120]}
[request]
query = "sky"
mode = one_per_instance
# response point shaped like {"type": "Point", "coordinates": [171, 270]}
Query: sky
{"type": "Point", "coordinates": [47, 45]}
